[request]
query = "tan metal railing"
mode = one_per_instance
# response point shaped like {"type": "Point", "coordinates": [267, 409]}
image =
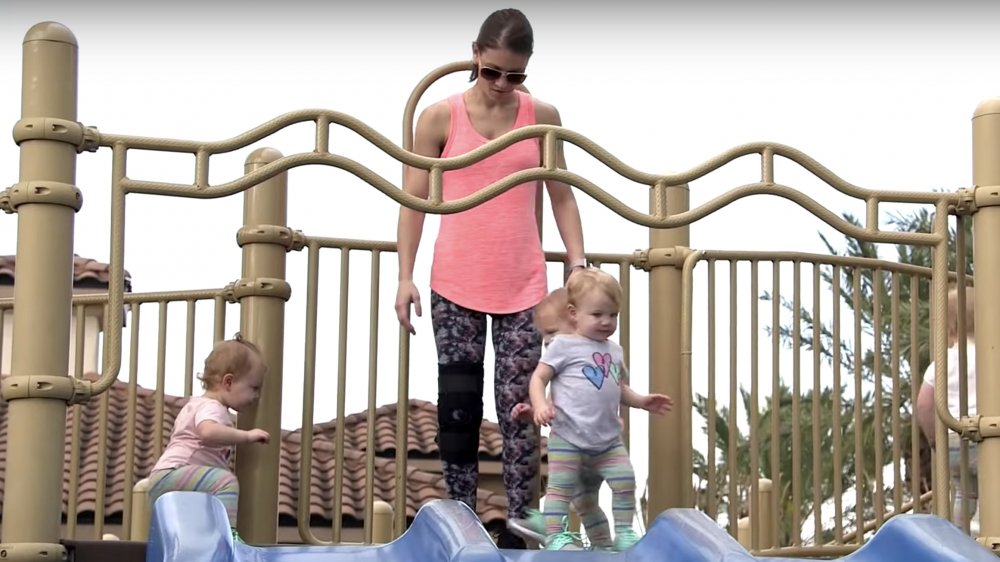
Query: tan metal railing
{"type": "Point", "coordinates": [790, 484]}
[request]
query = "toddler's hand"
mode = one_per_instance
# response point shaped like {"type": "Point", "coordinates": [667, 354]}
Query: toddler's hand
{"type": "Point", "coordinates": [258, 436]}
{"type": "Point", "coordinates": [545, 414]}
{"type": "Point", "coordinates": [657, 404]}
{"type": "Point", "coordinates": [522, 412]}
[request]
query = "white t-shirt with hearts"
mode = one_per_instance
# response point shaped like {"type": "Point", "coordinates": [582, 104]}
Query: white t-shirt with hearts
{"type": "Point", "coordinates": [586, 390]}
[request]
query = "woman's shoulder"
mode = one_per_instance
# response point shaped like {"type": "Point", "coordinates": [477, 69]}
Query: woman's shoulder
{"type": "Point", "coordinates": [546, 113]}
{"type": "Point", "coordinates": [436, 113]}
{"type": "Point", "coordinates": [432, 127]}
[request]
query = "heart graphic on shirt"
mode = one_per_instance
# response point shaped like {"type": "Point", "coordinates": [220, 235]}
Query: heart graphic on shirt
{"type": "Point", "coordinates": [603, 360]}
{"type": "Point", "coordinates": [615, 372]}
{"type": "Point", "coordinates": [595, 376]}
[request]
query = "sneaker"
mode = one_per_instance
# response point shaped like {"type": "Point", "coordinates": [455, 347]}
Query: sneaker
{"type": "Point", "coordinates": [236, 537]}
{"type": "Point", "coordinates": [506, 540]}
{"type": "Point", "coordinates": [603, 547]}
{"type": "Point", "coordinates": [562, 541]}
{"type": "Point", "coordinates": [530, 527]}
{"type": "Point", "coordinates": [625, 539]}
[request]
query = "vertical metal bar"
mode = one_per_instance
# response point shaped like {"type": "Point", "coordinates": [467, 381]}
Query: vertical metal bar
{"type": "Point", "coordinates": [916, 378]}
{"type": "Point", "coordinates": [755, 522]}
{"type": "Point", "coordinates": [963, 371]}
{"type": "Point", "coordinates": [878, 288]}
{"type": "Point", "coordinates": [262, 322]}
{"type": "Point", "coordinates": [304, 512]}
{"type": "Point", "coordinates": [133, 384]}
{"type": "Point", "coordinates": [76, 415]}
{"type": "Point", "coordinates": [897, 430]}
{"type": "Point", "coordinates": [189, 349]}
{"type": "Point", "coordinates": [376, 257]}
{"type": "Point", "coordinates": [777, 497]}
{"type": "Point", "coordinates": [712, 506]}
{"type": "Point", "coordinates": [669, 435]}
{"type": "Point", "coordinates": [43, 289]}
{"type": "Point", "coordinates": [219, 328]}
{"type": "Point", "coordinates": [338, 478]}
{"type": "Point", "coordinates": [860, 465]}
{"type": "Point", "coordinates": [838, 406]}
{"type": "Point", "coordinates": [732, 458]}
{"type": "Point", "coordinates": [796, 474]}
{"type": "Point", "coordinates": [625, 340]}
{"type": "Point", "coordinates": [161, 377]}
{"type": "Point", "coordinates": [816, 419]}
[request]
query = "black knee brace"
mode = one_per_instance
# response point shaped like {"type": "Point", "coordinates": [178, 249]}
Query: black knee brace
{"type": "Point", "coordinates": [460, 411]}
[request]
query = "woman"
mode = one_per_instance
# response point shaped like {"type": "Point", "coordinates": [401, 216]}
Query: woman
{"type": "Point", "coordinates": [488, 261]}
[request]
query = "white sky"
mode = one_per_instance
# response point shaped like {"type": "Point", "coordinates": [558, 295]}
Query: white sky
{"type": "Point", "coordinates": [882, 96]}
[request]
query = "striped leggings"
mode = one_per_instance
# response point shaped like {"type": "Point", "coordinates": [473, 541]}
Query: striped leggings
{"type": "Point", "coordinates": [219, 482]}
{"type": "Point", "coordinates": [565, 463]}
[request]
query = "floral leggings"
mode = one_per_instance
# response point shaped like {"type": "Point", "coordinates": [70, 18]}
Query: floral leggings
{"type": "Point", "coordinates": [460, 335]}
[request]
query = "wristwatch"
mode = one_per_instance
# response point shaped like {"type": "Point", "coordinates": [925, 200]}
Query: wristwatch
{"type": "Point", "coordinates": [582, 263]}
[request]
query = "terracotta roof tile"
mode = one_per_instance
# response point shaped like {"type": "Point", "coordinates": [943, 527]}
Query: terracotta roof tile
{"type": "Point", "coordinates": [85, 271]}
{"type": "Point", "coordinates": [422, 486]}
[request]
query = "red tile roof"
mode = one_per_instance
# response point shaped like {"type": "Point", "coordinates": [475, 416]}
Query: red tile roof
{"type": "Point", "coordinates": [86, 272]}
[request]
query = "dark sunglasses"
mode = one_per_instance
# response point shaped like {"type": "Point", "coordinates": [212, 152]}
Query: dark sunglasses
{"type": "Point", "coordinates": [493, 74]}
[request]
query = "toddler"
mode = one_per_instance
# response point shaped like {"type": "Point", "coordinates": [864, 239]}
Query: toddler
{"type": "Point", "coordinates": [587, 374]}
{"type": "Point", "coordinates": [197, 457]}
{"type": "Point", "coordinates": [965, 503]}
{"type": "Point", "coordinates": [552, 317]}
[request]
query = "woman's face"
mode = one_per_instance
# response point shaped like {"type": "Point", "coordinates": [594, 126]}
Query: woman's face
{"type": "Point", "coordinates": [500, 71]}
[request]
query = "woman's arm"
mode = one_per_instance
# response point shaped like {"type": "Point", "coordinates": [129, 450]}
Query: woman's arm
{"type": "Point", "coordinates": [564, 207]}
{"type": "Point", "coordinates": [428, 140]}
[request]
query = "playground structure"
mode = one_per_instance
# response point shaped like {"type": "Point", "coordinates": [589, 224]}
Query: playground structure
{"type": "Point", "coordinates": [45, 198]}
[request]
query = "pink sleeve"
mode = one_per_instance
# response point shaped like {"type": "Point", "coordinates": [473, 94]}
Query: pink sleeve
{"type": "Point", "coordinates": [210, 410]}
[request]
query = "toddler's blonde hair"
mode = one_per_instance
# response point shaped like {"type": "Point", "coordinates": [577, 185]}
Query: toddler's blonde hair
{"type": "Point", "coordinates": [591, 279]}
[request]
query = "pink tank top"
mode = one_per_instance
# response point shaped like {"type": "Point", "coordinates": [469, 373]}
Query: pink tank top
{"type": "Point", "coordinates": [489, 258]}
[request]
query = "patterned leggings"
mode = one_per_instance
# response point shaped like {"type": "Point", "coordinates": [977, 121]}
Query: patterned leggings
{"type": "Point", "coordinates": [212, 480]}
{"type": "Point", "coordinates": [565, 463]}
{"type": "Point", "coordinates": [460, 335]}
{"type": "Point", "coordinates": [587, 505]}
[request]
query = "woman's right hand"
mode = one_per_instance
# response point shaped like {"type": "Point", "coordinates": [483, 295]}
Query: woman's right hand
{"type": "Point", "coordinates": [406, 294]}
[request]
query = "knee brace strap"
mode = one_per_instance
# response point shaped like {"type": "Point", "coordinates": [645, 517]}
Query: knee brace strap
{"type": "Point", "coordinates": [460, 411]}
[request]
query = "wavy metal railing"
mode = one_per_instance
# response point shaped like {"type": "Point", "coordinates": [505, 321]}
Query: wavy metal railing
{"type": "Point", "coordinates": [201, 188]}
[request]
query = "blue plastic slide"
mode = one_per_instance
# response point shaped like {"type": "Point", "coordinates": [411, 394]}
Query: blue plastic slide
{"type": "Point", "coordinates": [192, 527]}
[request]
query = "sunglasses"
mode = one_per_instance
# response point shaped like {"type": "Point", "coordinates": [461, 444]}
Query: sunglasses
{"type": "Point", "coordinates": [494, 74]}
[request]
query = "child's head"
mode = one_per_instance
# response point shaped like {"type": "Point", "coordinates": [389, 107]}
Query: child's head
{"type": "Point", "coordinates": [552, 315]}
{"type": "Point", "coordinates": [234, 370]}
{"type": "Point", "coordinates": [594, 300]}
{"type": "Point", "coordinates": [970, 315]}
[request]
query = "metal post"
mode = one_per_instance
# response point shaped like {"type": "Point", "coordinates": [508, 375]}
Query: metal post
{"type": "Point", "coordinates": [670, 463]}
{"type": "Point", "coordinates": [986, 232]}
{"type": "Point", "coordinates": [45, 200]}
{"type": "Point", "coordinates": [262, 293]}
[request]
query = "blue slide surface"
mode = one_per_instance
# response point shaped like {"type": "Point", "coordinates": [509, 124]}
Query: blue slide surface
{"type": "Point", "coordinates": [192, 527]}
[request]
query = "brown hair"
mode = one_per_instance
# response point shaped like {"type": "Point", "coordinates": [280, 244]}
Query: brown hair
{"type": "Point", "coordinates": [237, 356]}
{"type": "Point", "coordinates": [970, 314]}
{"type": "Point", "coordinates": [590, 279]}
{"type": "Point", "coordinates": [505, 29]}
